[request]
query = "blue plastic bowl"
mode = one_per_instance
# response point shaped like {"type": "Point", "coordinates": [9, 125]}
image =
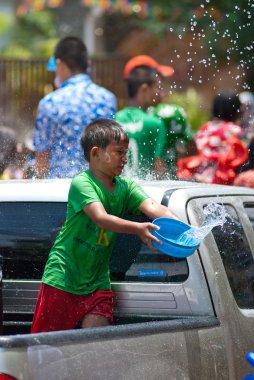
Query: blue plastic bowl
{"type": "Point", "coordinates": [170, 230]}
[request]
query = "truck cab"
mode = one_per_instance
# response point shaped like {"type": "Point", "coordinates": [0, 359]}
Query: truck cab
{"type": "Point", "coordinates": [173, 318]}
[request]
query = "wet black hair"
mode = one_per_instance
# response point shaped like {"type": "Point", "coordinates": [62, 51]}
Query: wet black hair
{"type": "Point", "coordinates": [73, 52]}
{"type": "Point", "coordinates": [226, 105]}
{"type": "Point", "coordinates": [138, 76]}
{"type": "Point", "coordinates": [101, 133]}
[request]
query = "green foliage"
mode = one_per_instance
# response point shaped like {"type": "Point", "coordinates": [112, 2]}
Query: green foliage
{"type": "Point", "coordinates": [6, 20]}
{"type": "Point", "coordinates": [38, 23]}
{"type": "Point", "coordinates": [191, 103]}
{"type": "Point", "coordinates": [14, 50]}
{"type": "Point", "coordinates": [33, 35]}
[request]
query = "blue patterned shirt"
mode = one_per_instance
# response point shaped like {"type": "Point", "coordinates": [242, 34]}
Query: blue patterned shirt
{"type": "Point", "coordinates": [61, 117]}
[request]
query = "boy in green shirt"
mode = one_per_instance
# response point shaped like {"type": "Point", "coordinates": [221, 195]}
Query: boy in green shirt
{"type": "Point", "coordinates": [142, 120]}
{"type": "Point", "coordinates": [76, 283]}
{"type": "Point", "coordinates": [147, 133]}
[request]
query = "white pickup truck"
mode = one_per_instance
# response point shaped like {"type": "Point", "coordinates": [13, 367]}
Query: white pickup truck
{"type": "Point", "coordinates": [174, 318]}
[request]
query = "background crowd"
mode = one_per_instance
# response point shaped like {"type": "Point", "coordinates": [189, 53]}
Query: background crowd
{"type": "Point", "coordinates": [162, 144]}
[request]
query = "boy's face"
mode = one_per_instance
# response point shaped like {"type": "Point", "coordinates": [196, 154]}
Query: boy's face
{"type": "Point", "coordinates": [153, 93]}
{"type": "Point", "coordinates": [113, 158]}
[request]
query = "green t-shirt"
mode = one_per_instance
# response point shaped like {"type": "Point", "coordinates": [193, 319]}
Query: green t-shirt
{"type": "Point", "coordinates": [79, 259]}
{"type": "Point", "coordinates": [178, 130]}
{"type": "Point", "coordinates": [147, 137]}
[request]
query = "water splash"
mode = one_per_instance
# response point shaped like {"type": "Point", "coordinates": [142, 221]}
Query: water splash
{"type": "Point", "coordinates": [215, 215]}
{"type": "Point", "coordinates": [208, 29]}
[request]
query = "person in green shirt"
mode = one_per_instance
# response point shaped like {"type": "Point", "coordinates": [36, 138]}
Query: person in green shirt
{"type": "Point", "coordinates": [147, 95]}
{"type": "Point", "coordinates": [147, 134]}
{"type": "Point", "coordinates": [76, 284]}
{"type": "Point", "coordinates": [179, 136]}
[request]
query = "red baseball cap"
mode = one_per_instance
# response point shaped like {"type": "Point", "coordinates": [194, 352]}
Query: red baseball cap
{"type": "Point", "coordinates": [146, 60]}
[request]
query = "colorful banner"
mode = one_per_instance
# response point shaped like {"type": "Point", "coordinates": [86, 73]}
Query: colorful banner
{"type": "Point", "coordinates": [141, 8]}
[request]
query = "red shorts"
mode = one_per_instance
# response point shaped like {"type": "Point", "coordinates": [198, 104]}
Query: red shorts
{"type": "Point", "coordinates": [59, 310]}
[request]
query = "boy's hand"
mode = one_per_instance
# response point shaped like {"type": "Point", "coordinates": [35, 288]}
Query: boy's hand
{"type": "Point", "coordinates": [144, 233]}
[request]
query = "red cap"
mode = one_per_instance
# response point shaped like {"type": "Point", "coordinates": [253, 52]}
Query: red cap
{"type": "Point", "coordinates": [146, 60]}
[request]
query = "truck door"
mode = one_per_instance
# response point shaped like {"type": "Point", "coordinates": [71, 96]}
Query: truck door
{"type": "Point", "coordinates": [1, 296]}
{"type": "Point", "coordinates": [227, 256]}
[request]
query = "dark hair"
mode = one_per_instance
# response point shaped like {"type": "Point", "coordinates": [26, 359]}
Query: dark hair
{"type": "Point", "coordinates": [101, 133]}
{"type": "Point", "coordinates": [72, 51]}
{"type": "Point", "coordinates": [138, 76]}
{"type": "Point", "coordinates": [226, 105]}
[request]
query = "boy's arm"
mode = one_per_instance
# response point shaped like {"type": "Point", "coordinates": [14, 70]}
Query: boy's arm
{"type": "Point", "coordinates": [102, 219]}
{"type": "Point", "coordinates": [154, 210]}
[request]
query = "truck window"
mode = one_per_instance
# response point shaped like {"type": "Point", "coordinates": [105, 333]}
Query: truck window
{"type": "Point", "coordinates": [237, 259]}
{"type": "Point", "coordinates": [249, 207]}
{"type": "Point", "coordinates": [28, 231]}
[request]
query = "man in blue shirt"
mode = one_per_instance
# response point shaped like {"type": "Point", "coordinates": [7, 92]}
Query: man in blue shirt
{"type": "Point", "coordinates": [63, 114]}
